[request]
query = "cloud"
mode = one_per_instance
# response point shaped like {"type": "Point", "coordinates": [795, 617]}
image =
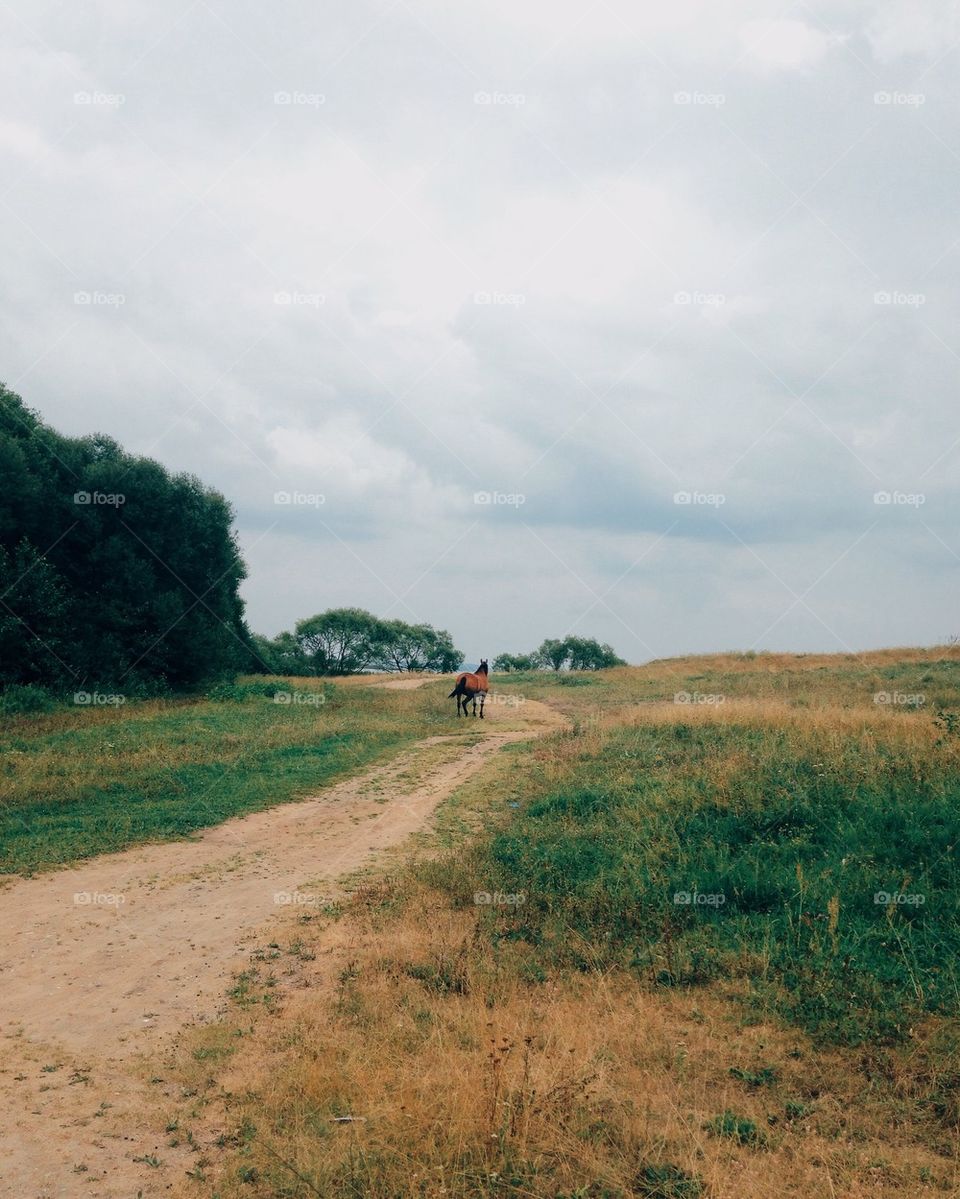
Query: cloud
{"type": "Point", "coordinates": [355, 473]}
{"type": "Point", "coordinates": [770, 45]}
{"type": "Point", "coordinates": [21, 140]}
{"type": "Point", "coordinates": [904, 30]}
{"type": "Point", "coordinates": [644, 262]}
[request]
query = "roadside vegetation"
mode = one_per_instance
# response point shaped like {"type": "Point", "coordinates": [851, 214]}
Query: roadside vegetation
{"type": "Point", "coordinates": [703, 939]}
{"type": "Point", "coordinates": [86, 779]}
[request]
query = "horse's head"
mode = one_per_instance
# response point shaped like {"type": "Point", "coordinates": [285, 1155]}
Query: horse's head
{"type": "Point", "coordinates": [483, 668]}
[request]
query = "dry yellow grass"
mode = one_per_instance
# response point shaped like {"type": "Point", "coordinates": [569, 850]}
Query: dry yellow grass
{"type": "Point", "coordinates": [470, 1073]}
{"type": "Point", "coordinates": [464, 1077]}
{"type": "Point", "coordinates": [753, 662]}
{"type": "Point", "coordinates": [578, 1082]}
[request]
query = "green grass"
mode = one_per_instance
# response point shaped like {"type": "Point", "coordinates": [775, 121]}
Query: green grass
{"type": "Point", "coordinates": [750, 843]}
{"type": "Point", "coordinates": [802, 679]}
{"type": "Point", "coordinates": [782, 867]}
{"type": "Point", "coordinates": [737, 1128]}
{"type": "Point", "coordinates": [599, 1038]}
{"type": "Point", "coordinates": [80, 781]}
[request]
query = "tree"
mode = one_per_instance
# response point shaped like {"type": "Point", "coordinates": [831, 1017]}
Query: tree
{"type": "Point", "coordinates": [281, 655]}
{"type": "Point", "coordinates": [586, 654]}
{"type": "Point", "coordinates": [415, 647]}
{"type": "Point", "coordinates": [350, 640]}
{"type": "Point", "coordinates": [511, 662]}
{"type": "Point", "coordinates": [140, 567]}
{"type": "Point", "coordinates": [340, 641]}
{"type": "Point", "coordinates": [553, 653]}
{"type": "Point", "coordinates": [33, 612]}
{"type": "Point", "coordinates": [572, 653]}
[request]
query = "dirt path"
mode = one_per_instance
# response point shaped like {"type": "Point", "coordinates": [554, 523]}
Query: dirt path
{"type": "Point", "coordinates": [102, 964]}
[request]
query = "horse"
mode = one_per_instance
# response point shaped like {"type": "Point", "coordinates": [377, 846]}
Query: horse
{"type": "Point", "coordinates": [468, 686]}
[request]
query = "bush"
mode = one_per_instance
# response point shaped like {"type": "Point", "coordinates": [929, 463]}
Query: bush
{"type": "Point", "coordinates": [22, 700]}
{"type": "Point", "coordinates": [240, 692]}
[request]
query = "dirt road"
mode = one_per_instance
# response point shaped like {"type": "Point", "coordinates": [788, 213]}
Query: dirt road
{"type": "Point", "coordinates": [101, 965]}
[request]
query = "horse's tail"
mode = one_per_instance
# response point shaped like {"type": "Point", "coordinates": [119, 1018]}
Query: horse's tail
{"type": "Point", "coordinates": [458, 690]}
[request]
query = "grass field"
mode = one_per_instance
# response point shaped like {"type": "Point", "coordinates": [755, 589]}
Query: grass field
{"type": "Point", "coordinates": [720, 960]}
{"type": "Point", "coordinates": [79, 781]}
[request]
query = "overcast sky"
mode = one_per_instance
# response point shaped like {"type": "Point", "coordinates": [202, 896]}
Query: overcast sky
{"type": "Point", "coordinates": [487, 292]}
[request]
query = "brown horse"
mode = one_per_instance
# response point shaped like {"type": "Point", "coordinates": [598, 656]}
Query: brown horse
{"type": "Point", "coordinates": [468, 686]}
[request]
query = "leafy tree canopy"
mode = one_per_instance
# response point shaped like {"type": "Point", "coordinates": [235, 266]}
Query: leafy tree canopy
{"type": "Point", "coordinates": [112, 570]}
{"type": "Point", "coordinates": [571, 653]}
{"type": "Point", "coordinates": [351, 640]}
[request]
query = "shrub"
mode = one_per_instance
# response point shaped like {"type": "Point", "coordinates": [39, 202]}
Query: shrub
{"type": "Point", "coordinates": [22, 700]}
{"type": "Point", "coordinates": [737, 1128]}
{"type": "Point", "coordinates": [239, 692]}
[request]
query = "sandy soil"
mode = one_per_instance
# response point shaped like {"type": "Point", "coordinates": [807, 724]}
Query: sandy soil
{"type": "Point", "coordinates": [392, 682]}
{"type": "Point", "coordinates": [103, 964]}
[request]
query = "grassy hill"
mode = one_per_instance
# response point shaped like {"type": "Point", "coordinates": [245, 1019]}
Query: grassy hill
{"type": "Point", "coordinates": [704, 943]}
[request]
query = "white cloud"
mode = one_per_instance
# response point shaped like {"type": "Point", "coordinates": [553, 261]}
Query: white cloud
{"type": "Point", "coordinates": [770, 45]}
{"type": "Point", "coordinates": [351, 468]}
{"type": "Point", "coordinates": [905, 28]}
{"type": "Point", "coordinates": [21, 140]}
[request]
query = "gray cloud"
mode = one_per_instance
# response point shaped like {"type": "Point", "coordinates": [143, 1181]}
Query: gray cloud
{"type": "Point", "coordinates": [396, 254]}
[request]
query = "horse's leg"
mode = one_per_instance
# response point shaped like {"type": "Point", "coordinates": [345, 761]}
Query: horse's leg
{"type": "Point", "coordinates": [483, 696]}
{"type": "Point", "coordinates": [458, 705]}
{"type": "Point", "coordinates": [474, 703]}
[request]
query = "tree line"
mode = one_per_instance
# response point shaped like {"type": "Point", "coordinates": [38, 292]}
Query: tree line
{"type": "Point", "coordinates": [351, 640]}
{"type": "Point", "coordinates": [115, 572]}
{"type": "Point", "coordinates": [111, 568]}
{"type": "Point", "coordinates": [567, 653]}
